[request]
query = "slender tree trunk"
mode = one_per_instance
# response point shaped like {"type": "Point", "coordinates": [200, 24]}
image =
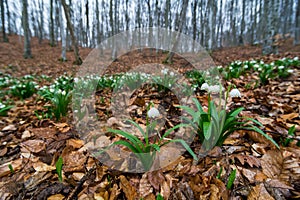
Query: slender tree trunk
{"type": "Point", "coordinates": [87, 23]}
{"type": "Point", "coordinates": [8, 18]}
{"type": "Point", "coordinates": [78, 60]}
{"type": "Point", "coordinates": [181, 23]}
{"type": "Point", "coordinates": [27, 48]}
{"type": "Point", "coordinates": [62, 34]}
{"type": "Point", "coordinates": [98, 23]}
{"type": "Point", "coordinates": [241, 37]}
{"type": "Point", "coordinates": [52, 43]}
{"type": "Point", "coordinates": [297, 25]}
{"type": "Point", "coordinates": [5, 39]}
{"type": "Point", "coordinates": [269, 44]}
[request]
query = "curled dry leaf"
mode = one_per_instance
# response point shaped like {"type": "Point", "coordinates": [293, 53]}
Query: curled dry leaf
{"type": "Point", "coordinates": [128, 189]}
{"type": "Point", "coordinates": [282, 166]}
{"type": "Point", "coordinates": [34, 146]}
{"type": "Point", "coordinates": [73, 161]}
{"type": "Point", "coordinates": [251, 160]}
{"type": "Point", "coordinates": [42, 167]}
{"type": "Point", "coordinates": [156, 179]}
{"type": "Point", "coordinates": [56, 197]}
{"type": "Point", "coordinates": [75, 143]}
{"type": "Point", "coordinates": [145, 187]}
{"type": "Point", "coordinates": [259, 192]}
{"type": "Point", "coordinates": [4, 169]}
{"type": "Point", "coordinates": [10, 127]}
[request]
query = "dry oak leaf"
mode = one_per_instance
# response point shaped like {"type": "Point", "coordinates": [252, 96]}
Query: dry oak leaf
{"type": "Point", "coordinates": [259, 192]}
{"type": "Point", "coordinates": [56, 197]}
{"type": "Point", "coordinates": [4, 169]}
{"type": "Point", "coordinates": [42, 167]}
{"type": "Point", "coordinates": [156, 179]}
{"type": "Point", "coordinates": [75, 143]}
{"type": "Point", "coordinates": [62, 127]}
{"type": "Point", "coordinates": [282, 166]}
{"type": "Point", "coordinates": [145, 187]}
{"type": "Point", "coordinates": [128, 189]}
{"type": "Point", "coordinates": [34, 146]}
{"type": "Point", "coordinates": [73, 161]}
{"type": "Point", "coordinates": [251, 160]}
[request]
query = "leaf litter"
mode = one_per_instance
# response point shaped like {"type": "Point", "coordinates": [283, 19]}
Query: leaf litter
{"type": "Point", "coordinates": [31, 146]}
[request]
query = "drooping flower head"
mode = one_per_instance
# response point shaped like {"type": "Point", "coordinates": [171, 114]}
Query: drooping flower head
{"type": "Point", "coordinates": [235, 93]}
{"type": "Point", "coordinates": [153, 112]}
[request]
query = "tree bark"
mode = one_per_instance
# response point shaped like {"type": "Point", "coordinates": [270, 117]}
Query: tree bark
{"type": "Point", "coordinates": [5, 39]}
{"type": "Point", "coordinates": [27, 48]}
{"type": "Point", "coordinates": [180, 28]}
{"type": "Point", "coordinates": [297, 25]}
{"type": "Point", "coordinates": [78, 60]}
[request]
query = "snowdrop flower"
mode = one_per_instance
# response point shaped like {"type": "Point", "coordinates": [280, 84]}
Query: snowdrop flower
{"type": "Point", "coordinates": [235, 93]}
{"type": "Point", "coordinates": [260, 69]}
{"type": "Point", "coordinates": [281, 67]}
{"type": "Point", "coordinates": [75, 79]}
{"type": "Point", "coordinates": [1, 105]}
{"type": "Point", "coordinates": [261, 62]}
{"type": "Point", "coordinates": [215, 88]}
{"type": "Point", "coordinates": [256, 66]}
{"type": "Point", "coordinates": [63, 92]}
{"type": "Point", "coordinates": [245, 66]}
{"type": "Point", "coordinates": [164, 71]}
{"type": "Point", "coordinates": [153, 112]}
{"type": "Point", "coordinates": [296, 58]}
{"type": "Point", "coordinates": [290, 71]}
{"type": "Point", "coordinates": [51, 90]}
{"type": "Point", "coordinates": [172, 73]}
{"type": "Point", "coordinates": [204, 86]}
{"type": "Point", "coordinates": [230, 68]}
{"type": "Point", "coordinates": [272, 64]}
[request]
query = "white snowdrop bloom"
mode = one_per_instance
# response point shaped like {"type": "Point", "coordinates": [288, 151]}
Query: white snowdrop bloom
{"type": "Point", "coordinates": [219, 67]}
{"type": "Point", "coordinates": [214, 89]}
{"type": "Point", "coordinates": [2, 105]}
{"type": "Point", "coordinates": [259, 69]}
{"type": "Point", "coordinates": [63, 93]}
{"type": "Point", "coordinates": [272, 63]}
{"type": "Point", "coordinates": [164, 71]}
{"type": "Point", "coordinates": [256, 66]}
{"type": "Point", "coordinates": [75, 111]}
{"type": "Point", "coordinates": [296, 58]}
{"type": "Point", "coordinates": [230, 67]}
{"type": "Point", "coordinates": [290, 71]}
{"type": "Point", "coordinates": [170, 85]}
{"type": "Point", "coordinates": [238, 62]}
{"type": "Point", "coordinates": [76, 80]}
{"type": "Point", "coordinates": [281, 67]}
{"type": "Point", "coordinates": [51, 90]}
{"type": "Point", "coordinates": [252, 61]}
{"type": "Point", "coordinates": [235, 93]}
{"type": "Point", "coordinates": [153, 112]}
{"type": "Point", "coordinates": [172, 73]}
{"type": "Point", "coordinates": [245, 66]}
{"type": "Point", "coordinates": [204, 86]}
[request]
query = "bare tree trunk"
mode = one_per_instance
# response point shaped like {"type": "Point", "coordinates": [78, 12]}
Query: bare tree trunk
{"type": "Point", "coordinates": [52, 43]}
{"type": "Point", "coordinates": [8, 18]}
{"type": "Point", "coordinates": [297, 25]}
{"type": "Point", "coordinates": [269, 44]}
{"type": "Point", "coordinates": [241, 37]}
{"type": "Point", "coordinates": [78, 60]}
{"type": "Point", "coordinates": [5, 39]}
{"type": "Point", "coordinates": [41, 21]}
{"type": "Point", "coordinates": [27, 48]}
{"type": "Point", "coordinates": [62, 34]}
{"type": "Point", "coordinates": [87, 23]}
{"type": "Point", "coordinates": [180, 28]}
{"type": "Point", "coordinates": [97, 23]}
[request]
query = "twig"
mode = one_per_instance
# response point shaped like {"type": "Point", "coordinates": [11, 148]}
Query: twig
{"type": "Point", "coordinates": [80, 183]}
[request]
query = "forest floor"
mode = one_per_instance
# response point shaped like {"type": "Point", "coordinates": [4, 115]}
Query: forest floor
{"type": "Point", "coordinates": [30, 146]}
